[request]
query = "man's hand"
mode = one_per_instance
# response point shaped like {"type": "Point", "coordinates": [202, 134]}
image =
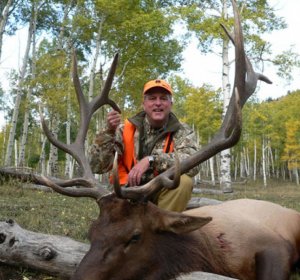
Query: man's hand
{"type": "Point", "coordinates": [113, 120]}
{"type": "Point", "coordinates": [136, 173]}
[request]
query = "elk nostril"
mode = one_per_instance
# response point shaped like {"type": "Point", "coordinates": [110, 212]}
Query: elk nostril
{"type": "Point", "coordinates": [12, 242]}
{"type": "Point", "coordinates": [2, 238]}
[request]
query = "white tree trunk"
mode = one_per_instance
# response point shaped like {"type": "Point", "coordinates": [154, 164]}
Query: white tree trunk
{"type": "Point", "coordinates": [247, 161]}
{"type": "Point", "coordinates": [4, 142]}
{"type": "Point", "coordinates": [283, 173]}
{"type": "Point", "coordinates": [42, 160]}
{"type": "Point", "coordinates": [3, 21]}
{"type": "Point", "coordinates": [296, 174]}
{"type": "Point", "coordinates": [52, 169]}
{"type": "Point", "coordinates": [21, 161]}
{"type": "Point", "coordinates": [212, 172]}
{"type": "Point", "coordinates": [271, 159]}
{"type": "Point", "coordinates": [290, 175]}
{"type": "Point", "coordinates": [242, 167]}
{"type": "Point", "coordinates": [236, 165]}
{"type": "Point", "coordinates": [95, 59]}
{"type": "Point", "coordinates": [68, 163]}
{"type": "Point", "coordinates": [225, 176]}
{"type": "Point", "coordinates": [61, 41]}
{"type": "Point", "coordinates": [264, 163]}
{"type": "Point", "coordinates": [12, 132]}
{"type": "Point", "coordinates": [16, 151]}
{"type": "Point", "coordinates": [254, 160]}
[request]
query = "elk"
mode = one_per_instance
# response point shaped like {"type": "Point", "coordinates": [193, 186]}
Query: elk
{"type": "Point", "coordinates": [133, 239]}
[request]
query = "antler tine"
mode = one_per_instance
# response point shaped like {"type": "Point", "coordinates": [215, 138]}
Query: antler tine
{"type": "Point", "coordinates": [76, 149]}
{"type": "Point", "coordinates": [103, 97]}
{"type": "Point", "coordinates": [229, 134]}
{"type": "Point", "coordinates": [146, 191]}
{"type": "Point", "coordinates": [88, 109]}
{"type": "Point", "coordinates": [74, 192]}
{"type": "Point", "coordinates": [86, 112]}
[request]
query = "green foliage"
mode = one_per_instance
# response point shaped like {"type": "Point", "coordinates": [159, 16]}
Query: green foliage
{"type": "Point", "coordinates": [203, 19]}
{"type": "Point", "coordinates": [275, 122]}
{"type": "Point", "coordinates": [292, 144]}
{"type": "Point", "coordinates": [285, 63]}
{"type": "Point", "coordinates": [199, 107]}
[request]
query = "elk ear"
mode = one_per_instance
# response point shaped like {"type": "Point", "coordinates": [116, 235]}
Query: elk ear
{"type": "Point", "coordinates": [181, 223]}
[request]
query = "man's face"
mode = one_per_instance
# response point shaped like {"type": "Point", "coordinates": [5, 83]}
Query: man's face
{"type": "Point", "coordinates": [157, 105]}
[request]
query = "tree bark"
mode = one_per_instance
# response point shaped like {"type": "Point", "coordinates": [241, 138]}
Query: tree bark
{"type": "Point", "coordinates": [295, 171]}
{"type": "Point", "coordinates": [254, 160]}
{"type": "Point", "coordinates": [55, 255]}
{"type": "Point", "coordinates": [12, 132]}
{"type": "Point", "coordinates": [225, 155]}
{"type": "Point", "coordinates": [52, 168]}
{"type": "Point", "coordinates": [68, 162]}
{"type": "Point", "coordinates": [263, 148]}
{"type": "Point", "coordinates": [3, 21]}
{"type": "Point", "coordinates": [212, 172]}
{"type": "Point", "coordinates": [21, 160]}
{"type": "Point", "coordinates": [42, 160]}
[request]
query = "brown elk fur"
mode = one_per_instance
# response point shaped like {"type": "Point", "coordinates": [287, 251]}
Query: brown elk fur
{"type": "Point", "coordinates": [245, 239]}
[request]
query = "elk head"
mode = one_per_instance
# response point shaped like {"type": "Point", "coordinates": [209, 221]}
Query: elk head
{"type": "Point", "coordinates": [128, 240]}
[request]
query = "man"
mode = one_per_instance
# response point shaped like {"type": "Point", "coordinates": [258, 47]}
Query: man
{"type": "Point", "coordinates": [146, 143]}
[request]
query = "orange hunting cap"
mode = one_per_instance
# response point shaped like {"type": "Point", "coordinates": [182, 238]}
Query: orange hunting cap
{"type": "Point", "coordinates": [157, 83]}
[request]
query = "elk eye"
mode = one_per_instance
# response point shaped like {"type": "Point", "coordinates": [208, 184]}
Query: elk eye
{"type": "Point", "coordinates": [134, 239]}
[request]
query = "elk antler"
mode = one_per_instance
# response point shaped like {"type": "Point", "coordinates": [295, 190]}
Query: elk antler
{"type": "Point", "coordinates": [76, 149]}
{"type": "Point", "coordinates": [229, 133]}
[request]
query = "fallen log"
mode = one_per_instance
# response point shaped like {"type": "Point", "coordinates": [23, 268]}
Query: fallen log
{"type": "Point", "coordinates": [53, 254]}
{"type": "Point", "coordinates": [201, 201]}
{"type": "Point", "coordinates": [56, 255]}
{"type": "Point", "coordinates": [207, 191]}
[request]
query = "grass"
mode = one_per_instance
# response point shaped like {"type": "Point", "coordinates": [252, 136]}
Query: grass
{"type": "Point", "coordinates": [46, 212]}
{"type": "Point", "coordinates": [283, 193]}
{"type": "Point", "coordinates": [52, 213]}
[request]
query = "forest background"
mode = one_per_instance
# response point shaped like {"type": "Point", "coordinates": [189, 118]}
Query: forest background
{"type": "Point", "coordinates": [150, 37]}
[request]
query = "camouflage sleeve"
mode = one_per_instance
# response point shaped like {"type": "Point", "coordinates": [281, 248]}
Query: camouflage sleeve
{"type": "Point", "coordinates": [102, 151]}
{"type": "Point", "coordinates": [185, 144]}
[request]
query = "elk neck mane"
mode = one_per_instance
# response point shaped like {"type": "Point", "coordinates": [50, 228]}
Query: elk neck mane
{"type": "Point", "coordinates": [183, 253]}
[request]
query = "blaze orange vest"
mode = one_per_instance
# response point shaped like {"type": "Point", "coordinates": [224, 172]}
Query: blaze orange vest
{"type": "Point", "coordinates": [128, 160]}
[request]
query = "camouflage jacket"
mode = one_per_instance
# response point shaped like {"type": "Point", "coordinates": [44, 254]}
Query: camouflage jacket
{"type": "Point", "coordinates": [147, 141]}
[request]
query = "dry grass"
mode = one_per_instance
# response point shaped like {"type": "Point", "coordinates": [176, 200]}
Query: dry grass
{"type": "Point", "coordinates": [52, 213]}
